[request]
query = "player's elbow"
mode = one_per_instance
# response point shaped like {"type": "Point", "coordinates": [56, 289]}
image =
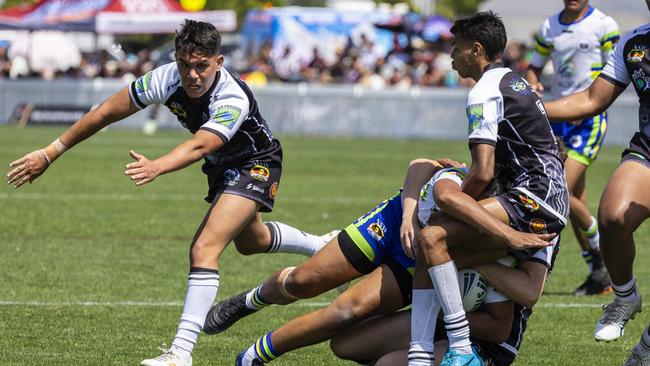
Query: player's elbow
{"type": "Point", "coordinates": [530, 298]}
{"type": "Point", "coordinates": [446, 198]}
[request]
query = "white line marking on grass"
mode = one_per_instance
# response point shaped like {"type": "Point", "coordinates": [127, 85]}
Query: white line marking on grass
{"type": "Point", "coordinates": [178, 304]}
{"type": "Point", "coordinates": [167, 197]}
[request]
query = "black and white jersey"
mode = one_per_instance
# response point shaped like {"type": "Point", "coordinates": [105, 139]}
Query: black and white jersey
{"type": "Point", "coordinates": [228, 109]}
{"type": "Point", "coordinates": [631, 62]}
{"type": "Point", "coordinates": [504, 111]}
{"type": "Point", "coordinates": [544, 256]}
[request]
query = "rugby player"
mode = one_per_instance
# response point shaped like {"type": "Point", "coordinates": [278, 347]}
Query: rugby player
{"type": "Point", "coordinates": [579, 40]}
{"type": "Point", "coordinates": [243, 164]}
{"type": "Point", "coordinates": [371, 245]}
{"type": "Point", "coordinates": [625, 203]}
{"type": "Point", "coordinates": [507, 122]}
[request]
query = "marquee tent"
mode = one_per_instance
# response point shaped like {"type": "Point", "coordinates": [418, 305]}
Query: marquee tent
{"type": "Point", "coordinates": [109, 16]}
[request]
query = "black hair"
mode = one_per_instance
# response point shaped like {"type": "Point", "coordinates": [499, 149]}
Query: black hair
{"type": "Point", "coordinates": [485, 28]}
{"type": "Point", "coordinates": [198, 37]}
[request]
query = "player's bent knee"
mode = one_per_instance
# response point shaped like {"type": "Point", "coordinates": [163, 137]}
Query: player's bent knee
{"type": "Point", "coordinates": [342, 347]}
{"type": "Point", "coordinates": [432, 238]}
{"type": "Point", "coordinates": [300, 284]}
{"type": "Point", "coordinates": [282, 284]}
{"type": "Point", "coordinates": [204, 249]}
{"type": "Point", "coordinates": [611, 219]}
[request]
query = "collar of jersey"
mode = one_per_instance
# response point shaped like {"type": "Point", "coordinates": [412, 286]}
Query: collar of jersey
{"type": "Point", "coordinates": [494, 65]}
{"type": "Point", "coordinates": [559, 17]}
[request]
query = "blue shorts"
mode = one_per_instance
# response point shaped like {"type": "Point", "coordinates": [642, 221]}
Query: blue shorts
{"type": "Point", "coordinates": [583, 142]}
{"type": "Point", "coordinates": [373, 240]}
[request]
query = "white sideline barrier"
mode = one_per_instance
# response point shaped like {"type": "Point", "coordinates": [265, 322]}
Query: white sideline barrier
{"type": "Point", "coordinates": [308, 109]}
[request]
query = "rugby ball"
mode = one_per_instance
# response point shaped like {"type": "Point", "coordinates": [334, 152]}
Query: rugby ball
{"type": "Point", "coordinates": [473, 288]}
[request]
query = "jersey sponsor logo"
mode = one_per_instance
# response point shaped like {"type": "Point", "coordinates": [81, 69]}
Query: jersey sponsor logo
{"type": "Point", "coordinates": [566, 75]}
{"type": "Point", "coordinates": [519, 85]}
{"type": "Point", "coordinates": [273, 191]}
{"type": "Point", "coordinates": [641, 80]}
{"type": "Point", "coordinates": [253, 187]}
{"type": "Point", "coordinates": [475, 116]}
{"type": "Point", "coordinates": [260, 172]}
{"type": "Point", "coordinates": [231, 177]}
{"type": "Point", "coordinates": [227, 116]}
{"type": "Point", "coordinates": [143, 83]}
{"type": "Point", "coordinates": [635, 55]}
{"type": "Point", "coordinates": [377, 230]}
{"type": "Point", "coordinates": [177, 109]}
{"type": "Point", "coordinates": [537, 226]}
{"type": "Point", "coordinates": [529, 203]}
{"type": "Point", "coordinates": [575, 141]}
{"type": "Point", "coordinates": [584, 45]}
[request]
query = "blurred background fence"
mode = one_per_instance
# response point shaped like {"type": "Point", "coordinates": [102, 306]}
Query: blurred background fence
{"type": "Point", "coordinates": [312, 109]}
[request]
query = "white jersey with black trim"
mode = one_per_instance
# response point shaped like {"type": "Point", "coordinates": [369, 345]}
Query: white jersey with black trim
{"type": "Point", "coordinates": [579, 49]}
{"type": "Point", "coordinates": [630, 62]}
{"type": "Point", "coordinates": [503, 111]}
{"type": "Point", "coordinates": [228, 109]}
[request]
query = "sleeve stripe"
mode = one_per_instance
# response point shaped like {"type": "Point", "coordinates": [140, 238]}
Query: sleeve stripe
{"type": "Point", "coordinates": [134, 97]}
{"type": "Point", "coordinates": [611, 36]}
{"type": "Point", "coordinates": [220, 134]}
{"type": "Point", "coordinates": [482, 141]}
{"type": "Point", "coordinates": [542, 51]}
{"type": "Point", "coordinates": [541, 42]}
{"type": "Point", "coordinates": [612, 80]}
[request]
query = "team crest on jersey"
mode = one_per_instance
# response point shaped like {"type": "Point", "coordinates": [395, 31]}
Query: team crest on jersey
{"type": "Point", "coordinates": [575, 141]}
{"type": "Point", "coordinates": [584, 45]}
{"type": "Point", "coordinates": [231, 177]}
{"type": "Point", "coordinates": [143, 83]}
{"type": "Point", "coordinates": [641, 80]}
{"type": "Point", "coordinates": [475, 116]}
{"type": "Point", "coordinates": [635, 55]}
{"type": "Point", "coordinates": [537, 226]}
{"type": "Point", "coordinates": [520, 86]}
{"type": "Point", "coordinates": [260, 172]}
{"type": "Point", "coordinates": [529, 203]}
{"type": "Point", "coordinates": [227, 115]}
{"type": "Point", "coordinates": [273, 191]}
{"type": "Point", "coordinates": [377, 230]}
{"type": "Point", "coordinates": [177, 109]}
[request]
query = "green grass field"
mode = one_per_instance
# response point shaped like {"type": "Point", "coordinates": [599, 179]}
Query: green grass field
{"type": "Point", "coordinates": [93, 269]}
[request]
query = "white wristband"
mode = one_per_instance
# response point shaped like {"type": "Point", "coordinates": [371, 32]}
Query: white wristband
{"type": "Point", "coordinates": [60, 146]}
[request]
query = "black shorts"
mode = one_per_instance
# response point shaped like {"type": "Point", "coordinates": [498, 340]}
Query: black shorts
{"type": "Point", "coordinates": [357, 259]}
{"type": "Point", "coordinates": [639, 150]}
{"type": "Point", "coordinates": [256, 179]}
{"type": "Point", "coordinates": [491, 353]}
{"type": "Point", "coordinates": [528, 215]}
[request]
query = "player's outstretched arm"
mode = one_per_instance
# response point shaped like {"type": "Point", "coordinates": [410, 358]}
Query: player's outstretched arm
{"type": "Point", "coordinates": [143, 170]}
{"type": "Point", "coordinates": [523, 284]}
{"type": "Point", "coordinates": [589, 102]}
{"type": "Point", "coordinates": [32, 165]}
{"type": "Point", "coordinates": [419, 171]}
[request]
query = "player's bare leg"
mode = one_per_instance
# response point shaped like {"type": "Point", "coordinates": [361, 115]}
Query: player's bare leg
{"type": "Point", "coordinates": [586, 231]}
{"type": "Point", "coordinates": [376, 294]}
{"type": "Point", "coordinates": [225, 219]}
{"type": "Point", "coordinates": [326, 270]}
{"type": "Point", "coordinates": [623, 207]}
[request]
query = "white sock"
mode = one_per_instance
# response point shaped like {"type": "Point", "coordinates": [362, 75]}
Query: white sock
{"type": "Point", "coordinates": [424, 313]}
{"type": "Point", "coordinates": [254, 301]}
{"type": "Point", "coordinates": [202, 286]}
{"type": "Point", "coordinates": [626, 292]}
{"type": "Point", "coordinates": [445, 282]}
{"type": "Point", "coordinates": [286, 239]}
{"type": "Point", "coordinates": [592, 235]}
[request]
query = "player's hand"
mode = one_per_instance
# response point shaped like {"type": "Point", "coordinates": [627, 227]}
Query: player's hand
{"type": "Point", "coordinates": [407, 237]}
{"type": "Point", "coordinates": [449, 163]}
{"type": "Point", "coordinates": [519, 240]}
{"type": "Point", "coordinates": [538, 88]}
{"type": "Point", "coordinates": [143, 170]}
{"type": "Point", "coordinates": [27, 168]}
